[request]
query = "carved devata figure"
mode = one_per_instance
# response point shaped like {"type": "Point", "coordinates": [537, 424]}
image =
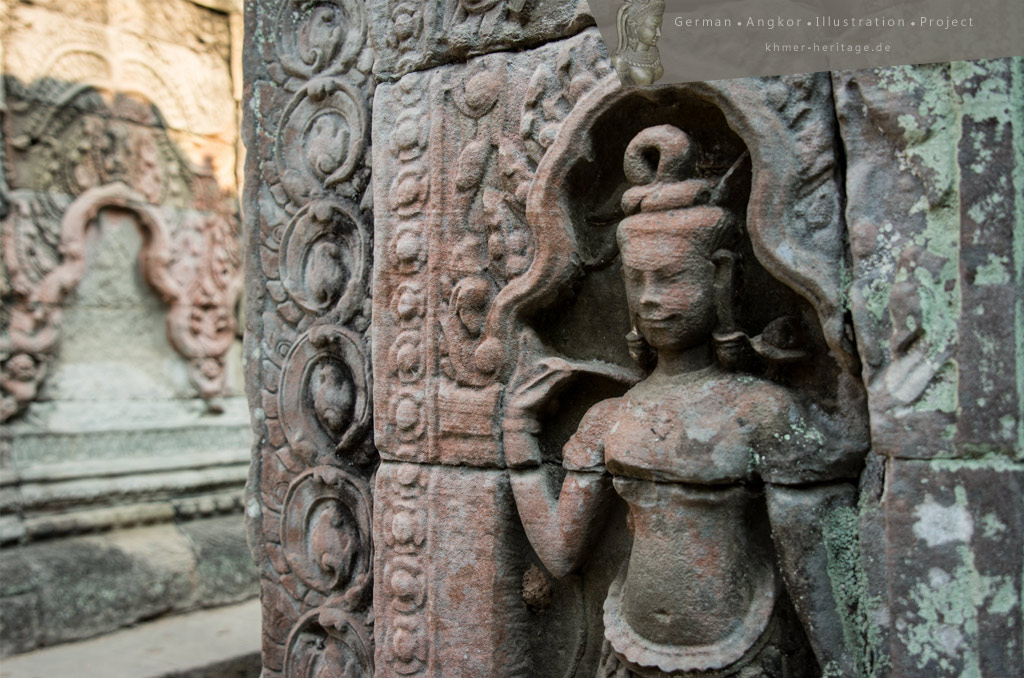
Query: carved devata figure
{"type": "Point", "coordinates": [638, 27]}
{"type": "Point", "coordinates": [711, 458]}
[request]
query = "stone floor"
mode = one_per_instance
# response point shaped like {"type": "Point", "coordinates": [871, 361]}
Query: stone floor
{"type": "Point", "coordinates": [221, 643]}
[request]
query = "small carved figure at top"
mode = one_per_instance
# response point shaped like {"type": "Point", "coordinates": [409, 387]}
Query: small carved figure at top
{"type": "Point", "coordinates": [638, 26]}
{"type": "Point", "coordinates": [709, 460]}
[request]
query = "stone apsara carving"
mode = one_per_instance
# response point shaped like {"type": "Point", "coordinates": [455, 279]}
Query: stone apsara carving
{"type": "Point", "coordinates": [683, 298]}
{"type": "Point", "coordinates": [120, 158]}
{"type": "Point", "coordinates": [700, 591]}
{"type": "Point", "coordinates": [638, 27]}
{"type": "Point", "coordinates": [311, 382]}
{"type": "Point", "coordinates": [488, 256]}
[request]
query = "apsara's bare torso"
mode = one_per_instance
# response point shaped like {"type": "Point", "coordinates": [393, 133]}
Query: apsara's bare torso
{"type": "Point", "coordinates": [684, 451]}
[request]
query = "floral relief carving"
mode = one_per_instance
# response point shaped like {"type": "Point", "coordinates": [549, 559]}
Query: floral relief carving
{"type": "Point", "coordinates": [327, 642]}
{"type": "Point", "coordinates": [312, 383]}
{"type": "Point", "coordinates": [322, 138]}
{"type": "Point", "coordinates": [325, 532]}
{"type": "Point", "coordinates": [323, 258]}
{"type": "Point", "coordinates": [318, 37]}
{"type": "Point", "coordinates": [404, 581]}
{"type": "Point", "coordinates": [324, 405]}
{"type": "Point", "coordinates": [413, 36]}
{"type": "Point", "coordinates": [406, 26]}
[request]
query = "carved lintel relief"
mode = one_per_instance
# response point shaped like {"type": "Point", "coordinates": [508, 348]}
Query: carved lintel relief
{"type": "Point", "coordinates": [413, 35]}
{"type": "Point", "coordinates": [309, 375]}
{"type": "Point", "coordinates": [514, 196]}
{"type": "Point", "coordinates": [120, 158]}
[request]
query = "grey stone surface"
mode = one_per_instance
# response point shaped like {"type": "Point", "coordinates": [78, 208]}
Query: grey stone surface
{"type": "Point", "coordinates": [67, 589]}
{"type": "Point", "coordinates": [933, 208]}
{"type": "Point", "coordinates": [954, 540]}
{"type": "Point", "coordinates": [411, 36]}
{"type": "Point", "coordinates": [223, 563]}
{"type": "Point", "coordinates": [20, 622]}
{"type": "Point", "coordinates": [221, 643]}
{"type": "Point", "coordinates": [934, 183]}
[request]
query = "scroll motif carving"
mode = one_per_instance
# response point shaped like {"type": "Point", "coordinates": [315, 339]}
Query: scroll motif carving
{"type": "Point", "coordinates": [323, 258]}
{"type": "Point", "coordinates": [327, 642]}
{"type": "Point", "coordinates": [324, 403]}
{"type": "Point", "coordinates": [320, 36]}
{"type": "Point", "coordinates": [190, 257]}
{"type": "Point", "coordinates": [312, 252]}
{"type": "Point", "coordinates": [321, 139]}
{"type": "Point", "coordinates": [325, 531]}
{"type": "Point", "coordinates": [492, 134]}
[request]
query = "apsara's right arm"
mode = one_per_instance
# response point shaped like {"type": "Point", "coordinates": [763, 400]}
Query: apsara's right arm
{"type": "Point", "coordinates": [559, 520]}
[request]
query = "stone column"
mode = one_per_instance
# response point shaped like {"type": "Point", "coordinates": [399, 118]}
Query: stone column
{"type": "Point", "coordinates": [310, 239]}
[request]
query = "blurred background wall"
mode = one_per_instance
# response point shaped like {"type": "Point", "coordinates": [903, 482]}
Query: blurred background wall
{"type": "Point", "coordinates": [125, 436]}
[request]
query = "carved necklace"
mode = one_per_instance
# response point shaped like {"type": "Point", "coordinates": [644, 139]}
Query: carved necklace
{"type": "Point", "coordinates": [652, 58]}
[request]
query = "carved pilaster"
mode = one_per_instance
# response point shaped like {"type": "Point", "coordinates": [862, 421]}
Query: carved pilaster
{"type": "Point", "coordinates": [307, 124]}
{"type": "Point", "coordinates": [455, 150]}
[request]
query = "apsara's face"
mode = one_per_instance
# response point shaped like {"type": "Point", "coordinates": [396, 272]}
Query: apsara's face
{"type": "Point", "coordinates": [650, 29]}
{"type": "Point", "coordinates": [670, 290]}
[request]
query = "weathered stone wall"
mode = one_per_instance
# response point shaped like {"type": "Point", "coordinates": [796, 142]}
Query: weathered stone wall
{"type": "Point", "coordinates": [122, 389]}
{"type": "Point", "coordinates": [934, 207]}
{"type": "Point", "coordinates": [881, 218]}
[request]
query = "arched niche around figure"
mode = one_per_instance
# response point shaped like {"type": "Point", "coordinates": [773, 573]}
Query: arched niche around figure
{"type": "Point", "coordinates": [771, 144]}
{"type": "Point", "coordinates": [791, 249]}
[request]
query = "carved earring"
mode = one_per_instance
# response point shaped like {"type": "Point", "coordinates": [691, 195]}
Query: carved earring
{"type": "Point", "coordinates": [729, 341]}
{"type": "Point", "coordinates": [639, 350]}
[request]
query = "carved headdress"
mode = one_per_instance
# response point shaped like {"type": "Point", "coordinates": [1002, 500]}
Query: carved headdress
{"type": "Point", "coordinates": [666, 200]}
